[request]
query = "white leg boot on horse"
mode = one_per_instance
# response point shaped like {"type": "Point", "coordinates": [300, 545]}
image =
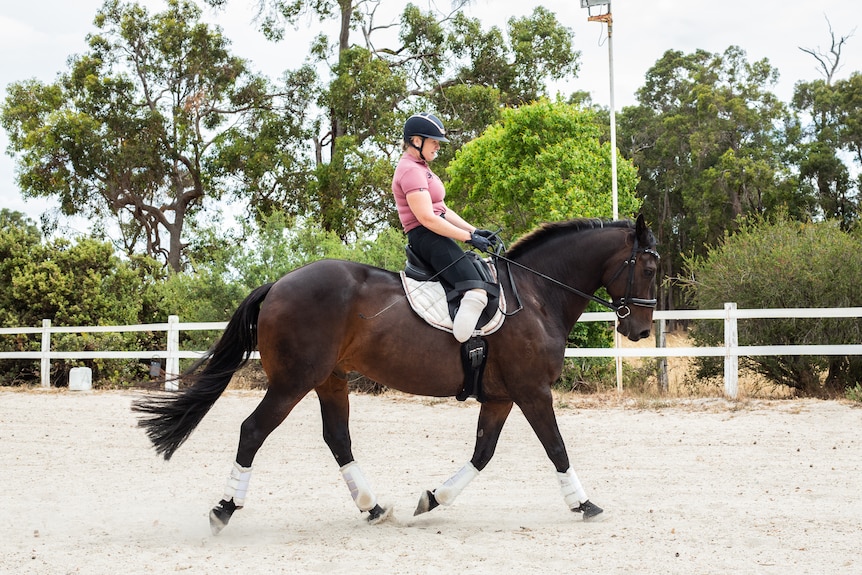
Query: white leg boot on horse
{"type": "Point", "coordinates": [575, 496]}
{"type": "Point", "coordinates": [446, 493]}
{"type": "Point", "coordinates": [234, 497]}
{"type": "Point", "coordinates": [362, 494]}
{"type": "Point", "coordinates": [472, 304]}
{"type": "Point", "coordinates": [360, 490]}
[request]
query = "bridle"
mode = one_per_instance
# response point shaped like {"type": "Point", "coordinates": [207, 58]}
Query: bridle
{"type": "Point", "coordinates": [622, 307]}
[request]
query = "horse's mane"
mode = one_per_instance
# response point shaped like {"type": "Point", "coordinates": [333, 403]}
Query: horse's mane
{"type": "Point", "coordinates": [548, 231]}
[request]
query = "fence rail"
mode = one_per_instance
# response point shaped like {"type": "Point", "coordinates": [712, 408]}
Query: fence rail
{"type": "Point", "coordinates": [731, 350]}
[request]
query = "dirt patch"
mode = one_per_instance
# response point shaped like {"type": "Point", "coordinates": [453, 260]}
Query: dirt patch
{"type": "Point", "coordinates": [689, 486]}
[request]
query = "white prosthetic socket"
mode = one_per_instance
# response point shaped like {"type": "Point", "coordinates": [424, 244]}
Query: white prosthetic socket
{"type": "Point", "coordinates": [359, 487]}
{"type": "Point", "coordinates": [237, 484]}
{"type": "Point", "coordinates": [571, 488]}
{"type": "Point", "coordinates": [446, 493]}
{"type": "Point", "coordinates": [472, 304]}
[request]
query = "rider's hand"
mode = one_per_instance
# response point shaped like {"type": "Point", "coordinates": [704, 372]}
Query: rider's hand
{"type": "Point", "coordinates": [491, 236]}
{"type": "Point", "coordinates": [479, 242]}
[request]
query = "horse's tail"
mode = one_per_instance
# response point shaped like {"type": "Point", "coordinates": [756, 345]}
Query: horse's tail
{"type": "Point", "coordinates": [170, 419]}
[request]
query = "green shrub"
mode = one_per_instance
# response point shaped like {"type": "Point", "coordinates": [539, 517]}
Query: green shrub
{"type": "Point", "coordinates": [783, 265]}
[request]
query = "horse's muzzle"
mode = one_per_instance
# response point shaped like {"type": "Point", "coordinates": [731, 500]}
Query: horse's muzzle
{"type": "Point", "coordinates": [633, 334]}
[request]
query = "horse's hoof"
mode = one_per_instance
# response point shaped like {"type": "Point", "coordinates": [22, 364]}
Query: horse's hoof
{"type": "Point", "coordinates": [427, 502]}
{"type": "Point", "coordinates": [379, 515]}
{"type": "Point", "coordinates": [220, 515]}
{"type": "Point", "coordinates": [590, 510]}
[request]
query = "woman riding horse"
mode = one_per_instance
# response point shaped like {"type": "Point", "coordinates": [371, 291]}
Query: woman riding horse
{"type": "Point", "coordinates": [329, 318]}
{"type": "Point", "coordinates": [432, 227]}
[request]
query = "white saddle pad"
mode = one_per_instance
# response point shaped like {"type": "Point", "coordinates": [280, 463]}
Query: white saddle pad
{"type": "Point", "coordinates": [428, 299]}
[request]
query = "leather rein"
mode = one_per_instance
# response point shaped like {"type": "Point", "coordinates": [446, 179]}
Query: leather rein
{"type": "Point", "coordinates": [622, 309]}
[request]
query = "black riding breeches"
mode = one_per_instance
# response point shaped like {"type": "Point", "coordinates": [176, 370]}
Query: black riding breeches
{"type": "Point", "coordinates": [443, 255]}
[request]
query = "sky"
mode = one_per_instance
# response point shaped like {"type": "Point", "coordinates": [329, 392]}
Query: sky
{"type": "Point", "coordinates": [37, 37]}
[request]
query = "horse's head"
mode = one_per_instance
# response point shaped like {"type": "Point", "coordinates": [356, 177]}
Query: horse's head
{"type": "Point", "coordinates": [631, 282]}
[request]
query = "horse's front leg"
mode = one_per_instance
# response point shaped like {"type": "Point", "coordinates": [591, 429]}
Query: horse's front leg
{"type": "Point", "coordinates": [492, 416]}
{"type": "Point", "coordinates": [335, 410]}
{"type": "Point", "coordinates": [539, 411]}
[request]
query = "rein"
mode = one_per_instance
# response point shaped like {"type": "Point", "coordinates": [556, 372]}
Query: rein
{"type": "Point", "coordinates": [622, 309]}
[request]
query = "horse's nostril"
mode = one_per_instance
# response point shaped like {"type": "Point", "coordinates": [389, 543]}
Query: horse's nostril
{"type": "Point", "coordinates": [644, 334]}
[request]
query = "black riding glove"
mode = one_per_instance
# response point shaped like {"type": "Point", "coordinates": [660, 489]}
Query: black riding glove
{"type": "Point", "coordinates": [491, 236]}
{"type": "Point", "coordinates": [479, 242]}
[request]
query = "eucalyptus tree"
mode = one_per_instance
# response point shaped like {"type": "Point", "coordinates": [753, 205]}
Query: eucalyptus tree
{"type": "Point", "coordinates": [146, 127]}
{"type": "Point", "coordinates": [710, 141]}
{"type": "Point", "coordinates": [832, 135]}
{"type": "Point", "coordinates": [374, 69]}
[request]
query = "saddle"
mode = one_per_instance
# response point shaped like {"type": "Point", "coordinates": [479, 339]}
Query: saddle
{"type": "Point", "coordinates": [437, 302]}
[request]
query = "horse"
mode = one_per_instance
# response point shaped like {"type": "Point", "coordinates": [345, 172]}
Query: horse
{"type": "Point", "coordinates": [322, 321]}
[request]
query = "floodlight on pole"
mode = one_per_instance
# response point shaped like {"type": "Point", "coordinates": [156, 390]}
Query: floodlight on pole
{"type": "Point", "coordinates": [608, 19]}
{"type": "Point", "coordinates": [588, 3]}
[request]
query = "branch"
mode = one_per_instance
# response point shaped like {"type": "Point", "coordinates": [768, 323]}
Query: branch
{"type": "Point", "coordinates": [829, 63]}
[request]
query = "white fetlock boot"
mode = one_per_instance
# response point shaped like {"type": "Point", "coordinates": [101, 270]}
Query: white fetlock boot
{"type": "Point", "coordinates": [472, 304]}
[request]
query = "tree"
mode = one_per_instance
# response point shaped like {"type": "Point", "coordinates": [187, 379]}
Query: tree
{"type": "Point", "coordinates": [710, 141]}
{"type": "Point", "coordinates": [138, 129]}
{"type": "Point", "coordinates": [440, 62]}
{"type": "Point", "coordinates": [833, 108]}
{"type": "Point", "coordinates": [541, 162]}
{"type": "Point", "coordinates": [783, 264]}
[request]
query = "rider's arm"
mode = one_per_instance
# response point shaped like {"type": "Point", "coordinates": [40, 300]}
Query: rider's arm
{"type": "Point", "coordinates": [420, 204]}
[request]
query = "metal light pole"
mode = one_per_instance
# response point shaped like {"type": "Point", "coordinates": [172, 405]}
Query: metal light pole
{"type": "Point", "coordinates": [608, 19]}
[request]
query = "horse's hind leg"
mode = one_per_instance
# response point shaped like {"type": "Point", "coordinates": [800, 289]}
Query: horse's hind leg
{"type": "Point", "coordinates": [268, 415]}
{"type": "Point", "coordinates": [492, 416]}
{"type": "Point", "coordinates": [335, 411]}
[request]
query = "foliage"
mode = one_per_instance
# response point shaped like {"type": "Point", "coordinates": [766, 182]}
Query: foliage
{"type": "Point", "coordinates": [137, 129]}
{"type": "Point", "coordinates": [784, 264]}
{"type": "Point", "coordinates": [443, 62]}
{"type": "Point", "coordinates": [710, 141]}
{"type": "Point", "coordinates": [72, 284]}
{"type": "Point", "coordinates": [835, 131]}
{"type": "Point", "coordinates": [542, 162]}
{"type": "Point", "coordinates": [854, 393]}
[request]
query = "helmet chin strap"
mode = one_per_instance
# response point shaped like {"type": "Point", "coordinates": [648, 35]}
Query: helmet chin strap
{"type": "Point", "coordinates": [419, 147]}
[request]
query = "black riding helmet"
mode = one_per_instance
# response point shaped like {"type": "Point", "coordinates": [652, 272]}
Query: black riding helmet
{"type": "Point", "coordinates": [424, 125]}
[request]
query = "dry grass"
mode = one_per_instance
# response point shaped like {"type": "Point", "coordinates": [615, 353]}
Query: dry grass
{"type": "Point", "coordinates": [683, 381]}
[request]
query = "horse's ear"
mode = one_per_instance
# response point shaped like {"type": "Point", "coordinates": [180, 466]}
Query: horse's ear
{"type": "Point", "coordinates": [641, 229]}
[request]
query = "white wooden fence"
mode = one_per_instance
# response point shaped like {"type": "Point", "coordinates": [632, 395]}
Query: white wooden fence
{"type": "Point", "coordinates": [731, 350]}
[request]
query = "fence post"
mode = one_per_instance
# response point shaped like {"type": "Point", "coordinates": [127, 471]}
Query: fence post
{"type": "Point", "coordinates": [172, 362]}
{"type": "Point", "coordinates": [45, 360]}
{"type": "Point", "coordinates": [731, 357]}
{"type": "Point", "coordinates": [661, 337]}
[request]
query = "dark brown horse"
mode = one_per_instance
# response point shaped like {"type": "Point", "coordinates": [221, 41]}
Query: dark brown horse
{"type": "Point", "coordinates": [322, 321]}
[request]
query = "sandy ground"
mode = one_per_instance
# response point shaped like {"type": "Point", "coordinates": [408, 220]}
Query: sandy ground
{"type": "Point", "coordinates": [689, 487]}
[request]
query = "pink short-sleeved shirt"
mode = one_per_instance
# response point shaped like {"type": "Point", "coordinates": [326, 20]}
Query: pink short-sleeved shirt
{"type": "Point", "coordinates": [413, 175]}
